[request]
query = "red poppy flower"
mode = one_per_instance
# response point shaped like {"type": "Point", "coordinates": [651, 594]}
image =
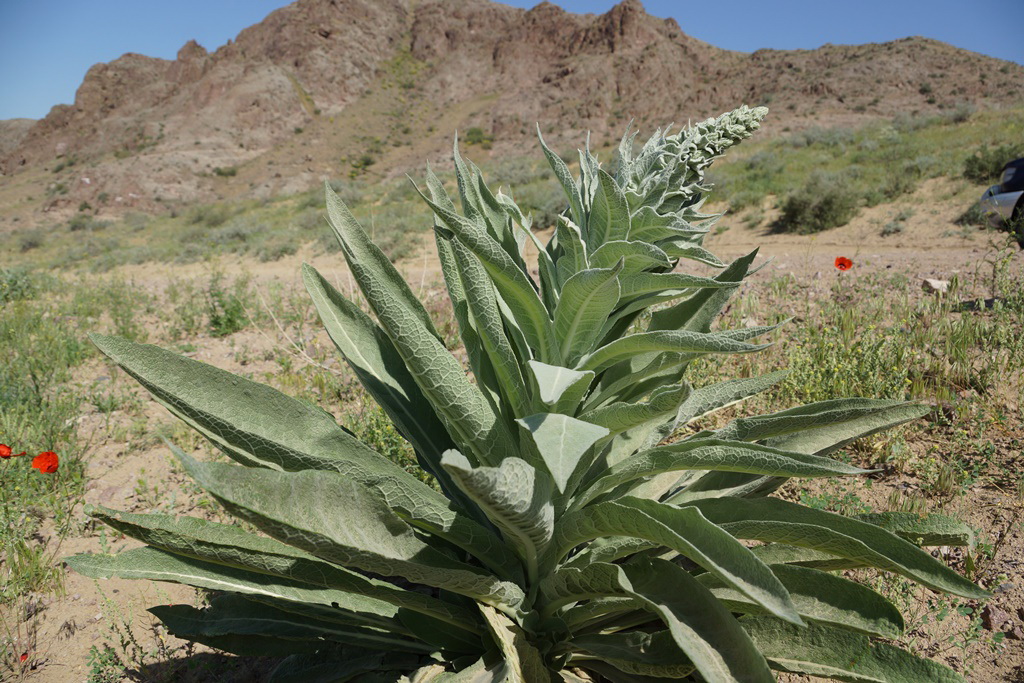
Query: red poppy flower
{"type": "Point", "coordinates": [843, 263]}
{"type": "Point", "coordinates": [24, 656]}
{"type": "Point", "coordinates": [46, 462]}
{"type": "Point", "coordinates": [7, 452]}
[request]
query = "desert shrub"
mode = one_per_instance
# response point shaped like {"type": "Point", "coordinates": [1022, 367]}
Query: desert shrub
{"type": "Point", "coordinates": [823, 202]}
{"type": "Point", "coordinates": [275, 250]}
{"type": "Point", "coordinates": [985, 163]}
{"type": "Point", "coordinates": [577, 520]}
{"type": "Point", "coordinates": [823, 137]}
{"type": "Point", "coordinates": [29, 240]}
{"type": "Point", "coordinates": [225, 171]}
{"type": "Point", "coordinates": [211, 215]}
{"type": "Point", "coordinates": [542, 200]}
{"type": "Point", "coordinates": [80, 222]}
{"type": "Point", "coordinates": [236, 233]}
{"type": "Point", "coordinates": [516, 171]}
{"type": "Point", "coordinates": [477, 136]}
{"type": "Point", "coordinates": [136, 220]}
{"type": "Point", "coordinates": [226, 305]}
{"type": "Point", "coordinates": [16, 284]}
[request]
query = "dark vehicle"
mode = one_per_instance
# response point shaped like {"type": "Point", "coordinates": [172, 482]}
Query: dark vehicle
{"type": "Point", "coordinates": [1005, 202]}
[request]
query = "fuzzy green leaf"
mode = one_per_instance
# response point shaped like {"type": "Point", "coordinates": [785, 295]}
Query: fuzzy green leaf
{"type": "Point", "coordinates": [562, 441]}
{"type": "Point", "coordinates": [680, 342]}
{"type": "Point", "coordinates": [587, 299]}
{"type": "Point", "coordinates": [558, 389]}
{"type": "Point", "coordinates": [369, 536]}
{"type": "Point", "coordinates": [689, 534]}
{"type": "Point", "coordinates": [824, 598]}
{"type": "Point", "coordinates": [840, 655]}
{"type": "Point", "coordinates": [778, 521]}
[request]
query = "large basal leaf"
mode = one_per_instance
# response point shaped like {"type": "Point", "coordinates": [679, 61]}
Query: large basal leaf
{"type": "Point", "coordinates": [840, 655]}
{"type": "Point", "coordinates": [691, 535]}
{"type": "Point", "coordinates": [923, 529]}
{"type": "Point", "coordinates": [822, 597]}
{"type": "Point", "coordinates": [483, 304]}
{"type": "Point", "coordinates": [260, 426]}
{"type": "Point", "coordinates": [159, 565]}
{"type": "Point", "coordinates": [701, 627]}
{"type": "Point", "coordinates": [368, 536]}
{"type": "Point", "coordinates": [831, 437]}
{"type": "Point", "coordinates": [679, 248]}
{"type": "Point", "coordinates": [233, 615]}
{"type": "Point", "coordinates": [477, 200]}
{"type": "Point", "coordinates": [619, 417]}
{"type": "Point", "coordinates": [468, 416]}
{"type": "Point", "coordinates": [377, 363]}
{"type": "Point", "coordinates": [230, 545]}
{"type": "Point", "coordinates": [574, 259]}
{"type": "Point", "coordinates": [515, 287]}
{"type": "Point", "coordinates": [718, 454]}
{"type": "Point", "coordinates": [379, 367]}
{"type": "Point", "coordinates": [479, 360]}
{"type": "Point", "coordinates": [639, 284]}
{"type": "Point", "coordinates": [366, 257]}
{"type": "Point", "coordinates": [253, 423]}
{"type": "Point", "coordinates": [819, 424]}
{"type": "Point", "coordinates": [778, 521]}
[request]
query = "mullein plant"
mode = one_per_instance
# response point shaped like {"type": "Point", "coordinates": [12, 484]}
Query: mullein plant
{"type": "Point", "coordinates": [573, 533]}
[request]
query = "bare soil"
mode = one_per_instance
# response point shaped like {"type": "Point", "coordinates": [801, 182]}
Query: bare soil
{"type": "Point", "coordinates": [127, 471]}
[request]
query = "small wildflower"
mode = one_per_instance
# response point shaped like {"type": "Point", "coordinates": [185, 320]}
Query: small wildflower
{"type": "Point", "coordinates": [46, 462]}
{"type": "Point", "coordinates": [843, 263]}
{"type": "Point", "coordinates": [7, 452]}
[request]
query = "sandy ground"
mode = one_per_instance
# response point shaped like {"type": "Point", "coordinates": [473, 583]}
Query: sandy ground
{"type": "Point", "coordinates": [60, 631]}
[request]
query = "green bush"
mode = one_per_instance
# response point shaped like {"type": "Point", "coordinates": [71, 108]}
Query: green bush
{"type": "Point", "coordinates": [477, 136]}
{"type": "Point", "coordinates": [225, 171]}
{"type": "Point", "coordinates": [824, 202]}
{"type": "Point", "coordinates": [985, 164]}
{"type": "Point", "coordinates": [226, 306]}
{"type": "Point", "coordinates": [15, 284]}
{"type": "Point", "coordinates": [572, 525]}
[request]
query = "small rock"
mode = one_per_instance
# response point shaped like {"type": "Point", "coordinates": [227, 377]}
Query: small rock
{"type": "Point", "coordinates": [1004, 587]}
{"type": "Point", "coordinates": [935, 286]}
{"type": "Point", "coordinates": [993, 617]}
{"type": "Point", "coordinates": [1017, 633]}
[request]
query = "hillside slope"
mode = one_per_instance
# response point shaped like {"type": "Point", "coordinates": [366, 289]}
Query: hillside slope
{"type": "Point", "coordinates": [323, 88]}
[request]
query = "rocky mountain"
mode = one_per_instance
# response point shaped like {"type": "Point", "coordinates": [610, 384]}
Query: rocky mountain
{"type": "Point", "coordinates": [331, 87]}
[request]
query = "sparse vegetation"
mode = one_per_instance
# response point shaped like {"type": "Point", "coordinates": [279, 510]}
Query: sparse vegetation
{"type": "Point", "coordinates": [537, 650]}
{"type": "Point", "coordinates": [985, 163]}
{"type": "Point", "coordinates": [825, 202]}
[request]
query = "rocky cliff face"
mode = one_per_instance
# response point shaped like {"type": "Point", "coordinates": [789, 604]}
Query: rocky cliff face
{"type": "Point", "coordinates": [319, 80]}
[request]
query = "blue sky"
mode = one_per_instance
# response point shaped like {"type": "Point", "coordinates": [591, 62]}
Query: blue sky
{"type": "Point", "coordinates": [46, 46]}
